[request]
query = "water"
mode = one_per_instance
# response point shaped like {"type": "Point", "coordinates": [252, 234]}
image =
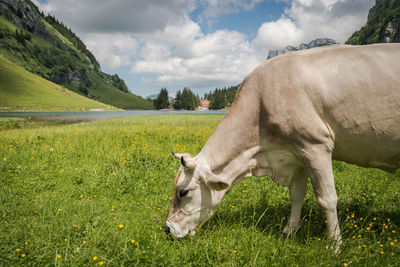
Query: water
{"type": "Point", "coordinates": [96, 115]}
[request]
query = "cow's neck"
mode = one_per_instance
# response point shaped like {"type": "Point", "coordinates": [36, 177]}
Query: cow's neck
{"type": "Point", "coordinates": [230, 150]}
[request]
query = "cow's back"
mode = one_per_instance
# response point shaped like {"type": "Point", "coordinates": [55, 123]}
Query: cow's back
{"type": "Point", "coordinates": [354, 90]}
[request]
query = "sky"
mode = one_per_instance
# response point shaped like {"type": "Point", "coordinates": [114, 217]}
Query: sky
{"type": "Point", "coordinates": [200, 44]}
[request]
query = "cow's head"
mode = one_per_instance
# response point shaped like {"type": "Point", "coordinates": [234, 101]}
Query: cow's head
{"type": "Point", "coordinates": [197, 193]}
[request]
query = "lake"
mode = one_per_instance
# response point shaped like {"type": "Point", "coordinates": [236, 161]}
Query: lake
{"type": "Point", "coordinates": [97, 115]}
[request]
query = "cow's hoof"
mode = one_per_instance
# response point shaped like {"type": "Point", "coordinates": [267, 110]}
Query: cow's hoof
{"type": "Point", "coordinates": [290, 229]}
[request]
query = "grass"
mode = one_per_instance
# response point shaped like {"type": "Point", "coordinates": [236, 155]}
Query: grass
{"type": "Point", "coordinates": [6, 24]}
{"type": "Point", "coordinates": [97, 193]}
{"type": "Point", "coordinates": [22, 90]}
{"type": "Point", "coordinates": [9, 123]}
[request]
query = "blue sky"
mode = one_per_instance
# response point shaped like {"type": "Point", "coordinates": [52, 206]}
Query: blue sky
{"type": "Point", "coordinates": [246, 21]}
{"type": "Point", "coordinates": [202, 44]}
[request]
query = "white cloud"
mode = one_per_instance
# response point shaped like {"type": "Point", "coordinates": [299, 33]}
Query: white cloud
{"type": "Point", "coordinates": [278, 34]}
{"type": "Point", "coordinates": [129, 16]}
{"type": "Point", "coordinates": [112, 50]}
{"type": "Point", "coordinates": [306, 20]}
{"type": "Point", "coordinates": [157, 37]}
{"type": "Point", "coordinates": [202, 60]}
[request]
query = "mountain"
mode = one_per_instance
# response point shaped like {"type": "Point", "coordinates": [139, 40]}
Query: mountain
{"type": "Point", "coordinates": [46, 47]}
{"type": "Point", "coordinates": [383, 24]}
{"type": "Point", "coordinates": [152, 97]}
{"type": "Point", "coordinates": [21, 90]}
{"type": "Point", "coordinates": [314, 43]}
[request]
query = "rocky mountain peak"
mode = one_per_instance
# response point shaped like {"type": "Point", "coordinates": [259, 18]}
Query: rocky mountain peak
{"type": "Point", "coordinates": [314, 43]}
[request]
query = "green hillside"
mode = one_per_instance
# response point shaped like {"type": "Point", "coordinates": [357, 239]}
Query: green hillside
{"type": "Point", "coordinates": [22, 90]}
{"type": "Point", "coordinates": [383, 24]}
{"type": "Point", "coordinates": [46, 47]}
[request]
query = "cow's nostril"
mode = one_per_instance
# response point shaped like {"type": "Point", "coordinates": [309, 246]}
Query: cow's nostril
{"type": "Point", "coordinates": [167, 229]}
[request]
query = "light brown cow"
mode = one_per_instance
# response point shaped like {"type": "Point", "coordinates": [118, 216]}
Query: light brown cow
{"type": "Point", "coordinates": [292, 115]}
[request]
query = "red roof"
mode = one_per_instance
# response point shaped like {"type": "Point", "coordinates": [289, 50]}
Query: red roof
{"type": "Point", "coordinates": [205, 102]}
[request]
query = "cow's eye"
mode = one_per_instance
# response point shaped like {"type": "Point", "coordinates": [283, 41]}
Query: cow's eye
{"type": "Point", "coordinates": [183, 193]}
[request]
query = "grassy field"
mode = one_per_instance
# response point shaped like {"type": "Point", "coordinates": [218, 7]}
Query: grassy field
{"type": "Point", "coordinates": [97, 193]}
{"type": "Point", "coordinates": [22, 90]}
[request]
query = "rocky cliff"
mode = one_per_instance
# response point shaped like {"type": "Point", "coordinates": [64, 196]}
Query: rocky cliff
{"type": "Point", "coordinates": [314, 43]}
{"type": "Point", "coordinates": [383, 24]}
{"type": "Point", "coordinates": [25, 15]}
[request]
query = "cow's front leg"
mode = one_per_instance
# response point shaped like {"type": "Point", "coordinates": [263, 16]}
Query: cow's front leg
{"type": "Point", "coordinates": [318, 162]}
{"type": "Point", "coordinates": [298, 190]}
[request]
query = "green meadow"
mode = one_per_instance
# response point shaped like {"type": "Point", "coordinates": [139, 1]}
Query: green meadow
{"type": "Point", "coordinates": [97, 193]}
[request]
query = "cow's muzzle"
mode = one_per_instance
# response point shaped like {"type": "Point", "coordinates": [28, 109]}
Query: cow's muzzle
{"type": "Point", "coordinates": [167, 229]}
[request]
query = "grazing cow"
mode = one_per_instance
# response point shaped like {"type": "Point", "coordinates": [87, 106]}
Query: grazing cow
{"type": "Point", "coordinates": [292, 115]}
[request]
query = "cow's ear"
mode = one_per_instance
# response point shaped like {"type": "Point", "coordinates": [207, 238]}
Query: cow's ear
{"type": "Point", "coordinates": [187, 160]}
{"type": "Point", "coordinates": [214, 182]}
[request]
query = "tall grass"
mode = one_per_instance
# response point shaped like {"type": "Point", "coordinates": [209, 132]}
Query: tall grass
{"type": "Point", "coordinates": [97, 193]}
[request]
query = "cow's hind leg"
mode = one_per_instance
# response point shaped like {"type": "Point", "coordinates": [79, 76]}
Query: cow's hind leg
{"type": "Point", "coordinates": [298, 190]}
{"type": "Point", "coordinates": [317, 160]}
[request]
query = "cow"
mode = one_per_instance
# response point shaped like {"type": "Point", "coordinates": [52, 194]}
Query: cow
{"type": "Point", "coordinates": [291, 117]}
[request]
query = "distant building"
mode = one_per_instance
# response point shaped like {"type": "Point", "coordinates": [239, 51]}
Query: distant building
{"type": "Point", "coordinates": [204, 104]}
{"type": "Point", "coordinates": [173, 101]}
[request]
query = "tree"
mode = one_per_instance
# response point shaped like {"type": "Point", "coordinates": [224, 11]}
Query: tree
{"type": "Point", "coordinates": [162, 100]}
{"type": "Point", "coordinates": [19, 13]}
{"type": "Point", "coordinates": [178, 102]}
{"type": "Point", "coordinates": [119, 83]}
{"type": "Point", "coordinates": [20, 36]}
{"type": "Point", "coordinates": [189, 99]}
{"type": "Point", "coordinates": [218, 100]}
{"type": "Point", "coordinates": [222, 98]}
{"type": "Point", "coordinates": [83, 89]}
